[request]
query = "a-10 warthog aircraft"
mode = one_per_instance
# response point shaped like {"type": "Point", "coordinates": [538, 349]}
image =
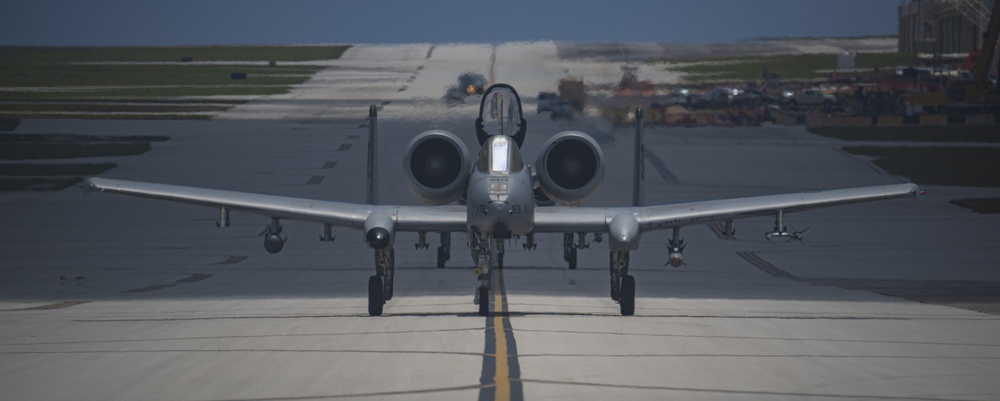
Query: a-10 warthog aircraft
{"type": "Point", "coordinates": [502, 200]}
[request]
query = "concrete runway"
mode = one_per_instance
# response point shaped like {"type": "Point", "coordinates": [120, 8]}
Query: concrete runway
{"type": "Point", "coordinates": [108, 297]}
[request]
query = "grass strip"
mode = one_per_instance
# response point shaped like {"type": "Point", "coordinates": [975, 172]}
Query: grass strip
{"type": "Point", "coordinates": [58, 75]}
{"type": "Point", "coordinates": [68, 150]}
{"type": "Point", "coordinates": [143, 94]}
{"type": "Point", "coordinates": [37, 184]}
{"type": "Point", "coordinates": [17, 138]}
{"type": "Point", "coordinates": [980, 205]}
{"type": "Point", "coordinates": [50, 54]}
{"type": "Point", "coordinates": [948, 166]}
{"type": "Point", "coordinates": [917, 133]}
{"type": "Point", "coordinates": [107, 108]}
{"type": "Point", "coordinates": [110, 116]}
{"type": "Point", "coordinates": [63, 169]}
{"type": "Point", "coordinates": [9, 124]}
{"type": "Point", "coordinates": [788, 66]}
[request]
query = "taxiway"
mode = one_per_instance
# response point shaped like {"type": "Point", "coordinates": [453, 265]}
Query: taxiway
{"type": "Point", "coordinates": [105, 297]}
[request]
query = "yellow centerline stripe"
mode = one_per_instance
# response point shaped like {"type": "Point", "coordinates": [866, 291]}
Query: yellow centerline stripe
{"type": "Point", "coordinates": [502, 377]}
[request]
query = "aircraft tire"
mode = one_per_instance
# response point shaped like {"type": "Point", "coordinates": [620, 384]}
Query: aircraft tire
{"type": "Point", "coordinates": [440, 261]}
{"type": "Point", "coordinates": [500, 261]}
{"type": "Point", "coordinates": [376, 299]}
{"type": "Point", "coordinates": [627, 298]}
{"type": "Point", "coordinates": [572, 258]}
{"type": "Point", "coordinates": [484, 302]}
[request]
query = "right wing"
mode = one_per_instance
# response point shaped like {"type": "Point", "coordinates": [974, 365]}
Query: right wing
{"type": "Point", "coordinates": [405, 218]}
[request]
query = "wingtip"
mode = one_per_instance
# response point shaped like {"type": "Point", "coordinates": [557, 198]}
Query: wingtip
{"type": "Point", "coordinates": [90, 185]}
{"type": "Point", "coordinates": [87, 186]}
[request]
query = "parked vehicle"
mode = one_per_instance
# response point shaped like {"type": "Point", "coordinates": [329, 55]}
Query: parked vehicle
{"type": "Point", "coordinates": [545, 101]}
{"type": "Point", "coordinates": [809, 97]}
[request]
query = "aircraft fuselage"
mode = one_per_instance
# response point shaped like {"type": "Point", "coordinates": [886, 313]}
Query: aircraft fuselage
{"type": "Point", "coordinates": [500, 194]}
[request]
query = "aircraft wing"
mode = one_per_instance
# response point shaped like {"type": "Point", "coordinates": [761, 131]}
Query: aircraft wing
{"type": "Point", "coordinates": [593, 219]}
{"type": "Point", "coordinates": [406, 218]}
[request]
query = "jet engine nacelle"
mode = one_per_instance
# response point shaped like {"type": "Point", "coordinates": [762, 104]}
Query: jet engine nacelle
{"type": "Point", "coordinates": [437, 167]}
{"type": "Point", "coordinates": [274, 242]}
{"type": "Point", "coordinates": [570, 167]}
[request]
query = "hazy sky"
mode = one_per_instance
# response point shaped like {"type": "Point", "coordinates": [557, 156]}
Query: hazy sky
{"type": "Point", "coordinates": [184, 22]}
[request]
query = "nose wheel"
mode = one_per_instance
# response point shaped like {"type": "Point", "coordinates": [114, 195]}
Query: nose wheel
{"type": "Point", "coordinates": [483, 254]}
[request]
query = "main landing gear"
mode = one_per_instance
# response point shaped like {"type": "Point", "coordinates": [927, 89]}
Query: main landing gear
{"type": "Point", "coordinates": [622, 284]}
{"type": "Point", "coordinates": [570, 247]}
{"type": "Point", "coordinates": [569, 250]}
{"type": "Point", "coordinates": [444, 251]}
{"type": "Point", "coordinates": [380, 285]}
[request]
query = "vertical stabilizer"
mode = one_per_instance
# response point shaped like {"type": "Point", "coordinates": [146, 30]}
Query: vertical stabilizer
{"type": "Point", "coordinates": [639, 164]}
{"type": "Point", "coordinates": [371, 192]}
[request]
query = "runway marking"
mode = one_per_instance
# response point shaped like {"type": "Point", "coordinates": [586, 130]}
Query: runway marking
{"type": "Point", "coordinates": [969, 295]}
{"type": "Point", "coordinates": [740, 392]}
{"type": "Point", "coordinates": [660, 167]}
{"type": "Point", "coordinates": [316, 179]}
{"type": "Point", "coordinates": [58, 305]}
{"type": "Point", "coordinates": [232, 260]}
{"type": "Point", "coordinates": [330, 164]}
{"type": "Point", "coordinates": [501, 377]}
{"type": "Point", "coordinates": [344, 146]}
{"type": "Point", "coordinates": [765, 266]}
{"type": "Point", "coordinates": [150, 288]}
{"type": "Point", "coordinates": [194, 278]}
{"type": "Point", "coordinates": [493, 65]}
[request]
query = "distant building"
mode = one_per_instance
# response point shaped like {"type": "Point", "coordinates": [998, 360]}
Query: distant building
{"type": "Point", "coordinates": [942, 26]}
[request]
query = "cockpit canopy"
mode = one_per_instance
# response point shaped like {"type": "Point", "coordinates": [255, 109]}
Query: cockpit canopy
{"type": "Point", "coordinates": [500, 114]}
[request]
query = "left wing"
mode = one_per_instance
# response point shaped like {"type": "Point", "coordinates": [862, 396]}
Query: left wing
{"type": "Point", "coordinates": [405, 218]}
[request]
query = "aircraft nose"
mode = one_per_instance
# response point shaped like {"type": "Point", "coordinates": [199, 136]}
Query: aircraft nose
{"type": "Point", "coordinates": [499, 209]}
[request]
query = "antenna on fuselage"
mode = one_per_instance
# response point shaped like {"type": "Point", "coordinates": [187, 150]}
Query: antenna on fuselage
{"type": "Point", "coordinates": [371, 192]}
{"type": "Point", "coordinates": [639, 165]}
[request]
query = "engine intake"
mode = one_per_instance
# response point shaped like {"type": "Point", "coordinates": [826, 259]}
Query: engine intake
{"type": "Point", "coordinates": [437, 167]}
{"type": "Point", "coordinates": [570, 167]}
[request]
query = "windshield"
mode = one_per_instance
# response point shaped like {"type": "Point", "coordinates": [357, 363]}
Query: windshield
{"type": "Point", "coordinates": [500, 156]}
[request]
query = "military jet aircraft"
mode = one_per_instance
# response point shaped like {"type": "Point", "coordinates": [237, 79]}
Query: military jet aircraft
{"type": "Point", "coordinates": [499, 188]}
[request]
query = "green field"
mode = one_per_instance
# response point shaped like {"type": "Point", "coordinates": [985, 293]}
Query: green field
{"type": "Point", "coordinates": [48, 169]}
{"type": "Point", "coordinates": [790, 66]}
{"type": "Point", "coordinates": [916, 133]}
{"type": "Point", "coordinates": [947, 166]}
{"type": "Point", "coordinates": [43, 54]}
{"type": "Point", "coordinates": [980, 205]}
{"type": "Point", "coordinates": [49, 75]}
{"type": "Point", "coordinates": [81, 138]}
{"type": "Point", "coordinates": [34, 81]}
{"type": "Point", "coordinates": [37, 184]}
{"type": "Point", "coordinates": [21, 175]}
